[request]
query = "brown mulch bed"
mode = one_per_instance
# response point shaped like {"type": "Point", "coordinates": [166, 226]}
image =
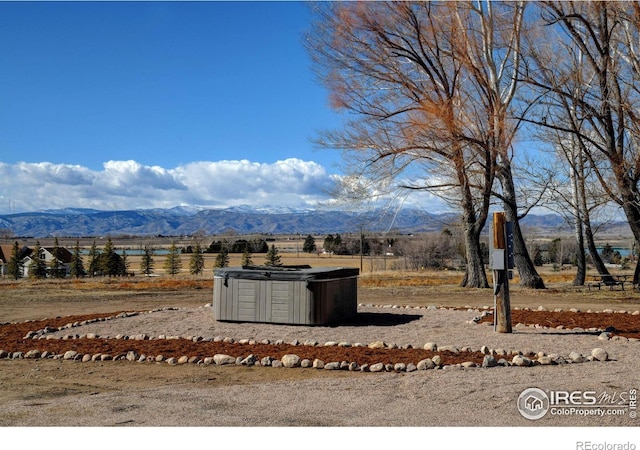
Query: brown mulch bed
{"type": "Point", "coordinates": [12, 340]}
{"type": "Point", "coordinates": [626, 325]}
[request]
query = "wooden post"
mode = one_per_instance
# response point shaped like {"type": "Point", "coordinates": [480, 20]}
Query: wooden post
{"type": "Point", "coordinates": [502, 302]}
{"type": "Point", "coordinates": [361, 248]}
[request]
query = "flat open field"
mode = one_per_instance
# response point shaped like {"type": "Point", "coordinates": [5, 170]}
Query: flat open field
{"type": "Point", "coordinates": [56, 392]}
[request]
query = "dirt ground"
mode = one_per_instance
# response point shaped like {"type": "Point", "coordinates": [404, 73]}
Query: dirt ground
{"type": "Point", "coordinates": [56, 392]}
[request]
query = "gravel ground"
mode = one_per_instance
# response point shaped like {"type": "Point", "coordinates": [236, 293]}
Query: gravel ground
{"type": "Point", "coordinates": [416, 326]}
{"type": "Point", "coordinates": [472, 397]}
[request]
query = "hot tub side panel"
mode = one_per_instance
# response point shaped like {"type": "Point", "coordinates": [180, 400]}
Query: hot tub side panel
{"type": "Point", "coordinates": [334, 300]}
{"type": "Point", "coordinates": [288, 302]}
{"type": "Point", "coordinates": [248, 300]}
{"type": "Point", "coordinates": [234, 299]}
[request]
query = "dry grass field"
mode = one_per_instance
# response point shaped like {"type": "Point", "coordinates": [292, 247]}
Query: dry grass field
{"type": "Point", "coordinates": [30, 299]}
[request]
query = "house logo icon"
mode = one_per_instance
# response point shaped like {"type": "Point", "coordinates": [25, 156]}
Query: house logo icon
{"type": "Point", "coordinates": [533, 403]}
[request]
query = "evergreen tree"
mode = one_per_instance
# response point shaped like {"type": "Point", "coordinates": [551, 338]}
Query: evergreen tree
{"type": "Point", "coordinates": [110, 261]}
{"type": "Point", "coordinates": [56, 265]}
{"type": "Point", "coordinates": [77, 266]}
{"type": "Point", "coordinates": [309, 245]}
{"type": "Point", "coordinates": [15, 265]}
{"type": "Point", "coordinates": [172, 263]}
{"type": "Point", "coordinates": [115, 263]}
{"type": "Point", "coordinates": [329, 244]}
{"type": "Point", "coordinates": [261, 246]}
{"type": "Point", "coordinates": [273, 258]}
{"type": "Point", "coordinates": [246, 257]}
{"type": "Point", "coordinates": [146, 262]}
{"type": "Point", "coordinates": [222, 259]}
{"type": "Point", "coordinates": [239, 246]}
{"type": "Point", "coordinates": [94, 260]}
{"type": "Point", "coordinates": [196, 262]}
{"type": "Point", "coordinates": [215, 247]}
{"type": "Point", "coordinates": [37, 268]}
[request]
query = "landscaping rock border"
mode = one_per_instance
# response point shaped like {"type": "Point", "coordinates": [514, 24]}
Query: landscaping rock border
{"type": "Point", "coordinates": [493, 357]}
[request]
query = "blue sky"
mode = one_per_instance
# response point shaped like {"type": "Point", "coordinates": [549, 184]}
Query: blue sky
{"type": "Point", "coordinates": [161, 82]}
{"type": "Point", "coordinates": [123, 105]}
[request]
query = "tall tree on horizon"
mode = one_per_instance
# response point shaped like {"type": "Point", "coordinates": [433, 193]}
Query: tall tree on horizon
{"type": "Point", "coordinates": [172, 262]}
{"type": "Point", "coordinates": [272, 257]}
{"type": "Point", "coordinates": [94, 259]}
{"type": "Point", "coordinates": [56, 265]}
{"type": "Point", "coordinates": [14, 266]}
{"type": "Point", "coordinates": [77, 265]}
{"type": "Point", "coordinates": [246, 256]}
{"type": "Point", "coordinates": [110, 261]}
{"type": "Point", "coordinates": [147, 262]}
{"type": "Point", "coordinates": [309, 245]}
{"type": "Point", "coordinates": [196, 262]}
{"type": "Point", "coordinates": [222, 258]}
{"type": "Point", "coordinates": [38, 267]}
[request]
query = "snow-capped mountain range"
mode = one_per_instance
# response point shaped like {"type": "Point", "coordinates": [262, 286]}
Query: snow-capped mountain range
{"type": "Point", "coordinates": [186, 220]}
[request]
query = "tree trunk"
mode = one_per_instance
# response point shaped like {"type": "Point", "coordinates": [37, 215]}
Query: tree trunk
{"type": "Point", "coordinates": [633, 217]}
{"type": "Point", "coordinates": [586, 220]}
{"type": "Point", "coordinates": [601, 268]}
{"type": "Point", "coordinates": [475, 275]}
{"type": "Point", "coordinates": [581, 260]}
{"type": "Point", "coordinates": [528, 274]}
{"type": "Point", "coordinates": [636, 272]}
{"type": "Point", "coordinates": [577, 181]}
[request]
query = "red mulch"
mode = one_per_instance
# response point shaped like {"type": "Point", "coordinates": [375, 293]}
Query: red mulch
{"type": "Point", "coordinates": [626, 325]}
{"type": "Point", "coordinates": [11, 340]}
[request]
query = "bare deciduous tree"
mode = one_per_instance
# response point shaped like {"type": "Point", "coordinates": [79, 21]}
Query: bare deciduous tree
{"type": "Point", "coordinates": [428, 87]}
{"type": "Point", "coordinates": [605, 100]}
{"type": "Point", "coordinates": [492, 37]}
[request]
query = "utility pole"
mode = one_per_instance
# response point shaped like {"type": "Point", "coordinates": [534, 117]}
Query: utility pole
{"type": "Point", "coordinates": [501, 261]}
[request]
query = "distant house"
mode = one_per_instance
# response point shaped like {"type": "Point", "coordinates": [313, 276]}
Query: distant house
{"type": "Point", "coordinates": [6, 251]}
{"type": "Point", "coordinates": [5, 257]}
{"type": "Point", "coordinates": [46, 253]}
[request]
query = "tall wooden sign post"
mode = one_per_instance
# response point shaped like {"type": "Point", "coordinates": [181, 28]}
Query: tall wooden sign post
{"type": "Point", "coordinates": [501, 261]}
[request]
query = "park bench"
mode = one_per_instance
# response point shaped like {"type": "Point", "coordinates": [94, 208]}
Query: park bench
{"type": "Point", "coordinates": [608, 280]}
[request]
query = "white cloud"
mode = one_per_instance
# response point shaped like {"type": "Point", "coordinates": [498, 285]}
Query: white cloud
{"type": "Point", "coordinates": [360, 192]}
{"type": "Point", "coordinates": [131, 185]}
{"type": "Point", "coordinates": [132, 179]}
{"type": "Point", "coordinates": [38, 174]}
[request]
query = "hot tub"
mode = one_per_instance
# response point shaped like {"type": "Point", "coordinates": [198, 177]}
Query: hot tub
{"type": "Point", "coordinates": [299, 295]}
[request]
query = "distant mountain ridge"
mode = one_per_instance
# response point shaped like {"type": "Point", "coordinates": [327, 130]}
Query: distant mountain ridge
{"type": "Point", "coordinates": [184, 221]}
